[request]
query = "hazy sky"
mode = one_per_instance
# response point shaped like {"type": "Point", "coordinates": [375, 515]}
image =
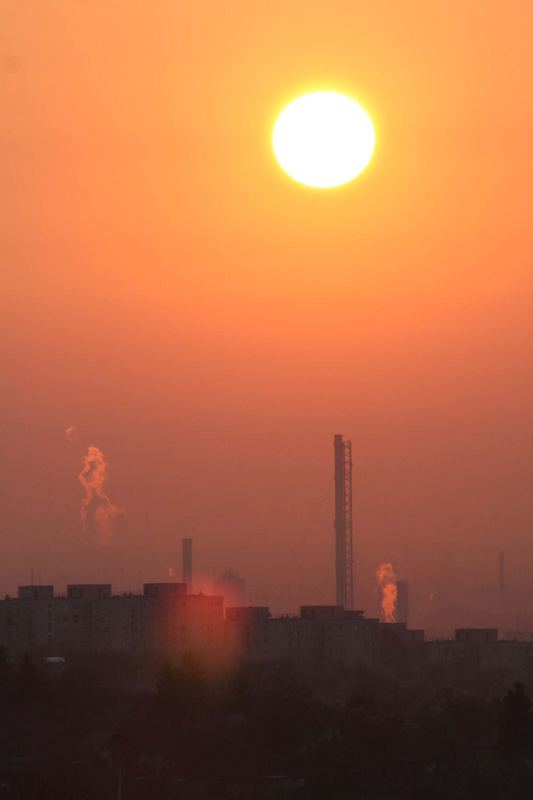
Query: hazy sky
{"type": "Point", "coordinates": [210, 324]}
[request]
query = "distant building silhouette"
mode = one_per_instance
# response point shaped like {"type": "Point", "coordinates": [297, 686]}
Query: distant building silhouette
{"type": "Point", "coordinates": [186, 562]}
{"type": "Point", "coordinates": [232, 588]}
{"type": "Point", "coordinates": [165, 620]}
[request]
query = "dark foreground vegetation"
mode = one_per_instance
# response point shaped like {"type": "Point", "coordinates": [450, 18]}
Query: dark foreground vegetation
{"type": "Point", "coordinates": [117, 727]}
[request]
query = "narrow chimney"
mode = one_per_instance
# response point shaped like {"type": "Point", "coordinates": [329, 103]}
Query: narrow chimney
{"type": "Point", "coordinates": [402, 602]}
{"type": "Point", "coordinates": [186, 562]}
{"type": "Point", "coordinates": [502, 573]}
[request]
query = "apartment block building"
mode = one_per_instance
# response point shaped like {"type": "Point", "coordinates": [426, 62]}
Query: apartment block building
{"type": "Point", "coordinates": [164, 618]}
{"type": "Point", "coordinates": [319, 633]}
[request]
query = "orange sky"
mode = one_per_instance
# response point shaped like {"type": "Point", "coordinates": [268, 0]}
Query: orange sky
{"type": "Point", "coordinates": [210, 324]}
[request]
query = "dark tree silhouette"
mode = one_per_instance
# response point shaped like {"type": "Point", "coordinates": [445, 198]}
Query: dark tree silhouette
{"type": "Point", "coordinates": [182, 689]}
{"type": "Point", "coordinates": [516, 722]}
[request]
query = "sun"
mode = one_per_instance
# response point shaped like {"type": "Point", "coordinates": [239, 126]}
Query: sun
{"type": "Point", "coordinates": [323, 139]}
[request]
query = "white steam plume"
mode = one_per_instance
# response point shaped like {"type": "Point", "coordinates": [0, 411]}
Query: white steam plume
{"type": "Point", "coordinates": [98, 513]}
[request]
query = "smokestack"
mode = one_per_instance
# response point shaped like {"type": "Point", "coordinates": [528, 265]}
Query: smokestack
{"type": "Point", "coordinates": [502, 572]}
{"type": "Point", "coordinates": [342, 450]}
{"type": "Point", "coordinates": [186, 562]}
{"type": "Point", "coordinates": [402, 602]}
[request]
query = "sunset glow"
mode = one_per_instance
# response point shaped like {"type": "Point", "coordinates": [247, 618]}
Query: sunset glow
{"type": "Point", "coordinates": [172, 296]}
{"type": "Point", "coordinates": [266, 328]}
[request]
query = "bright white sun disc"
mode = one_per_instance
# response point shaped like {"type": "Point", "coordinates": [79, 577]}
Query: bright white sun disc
{"type": "Point", "coordinates": [323, 139]}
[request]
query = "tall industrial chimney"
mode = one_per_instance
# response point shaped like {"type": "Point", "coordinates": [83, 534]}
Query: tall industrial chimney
{"type": "Point", "coordinates": [501, 575]}
{"type": "Point", "coordinates": [186, 562]}
{"type": "Point", "coordinates": [343, 521]}
{"type": "Point", "coordinates": [402, 602]}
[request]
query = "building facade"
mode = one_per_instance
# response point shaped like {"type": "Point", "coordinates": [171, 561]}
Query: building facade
{"type": "Point", "coordinates": [167, 620]}
{"type": "Point", "coordinates": [319, 634]}
{"type": "Point", "coordinates": [163, 619]}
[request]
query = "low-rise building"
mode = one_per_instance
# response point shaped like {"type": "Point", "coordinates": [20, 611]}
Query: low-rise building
{"type": "Point", "coordinates": [476, 635]}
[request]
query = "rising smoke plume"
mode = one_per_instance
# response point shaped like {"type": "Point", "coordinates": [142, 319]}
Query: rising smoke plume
{"type": "Point", "coordinates": [98, 513]}
{"type": "Point", "coordinates": [71, 434]}
{"type": "Point", "coordinates": [386, 578]}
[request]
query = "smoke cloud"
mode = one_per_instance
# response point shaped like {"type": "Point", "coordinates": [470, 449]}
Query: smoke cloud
{"type": "Point", "coordinates": [98, 513]}
{"type": "Point", "coordinates": [71, 434]}
{"type": "Point", "coordinates": [386, 578]}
